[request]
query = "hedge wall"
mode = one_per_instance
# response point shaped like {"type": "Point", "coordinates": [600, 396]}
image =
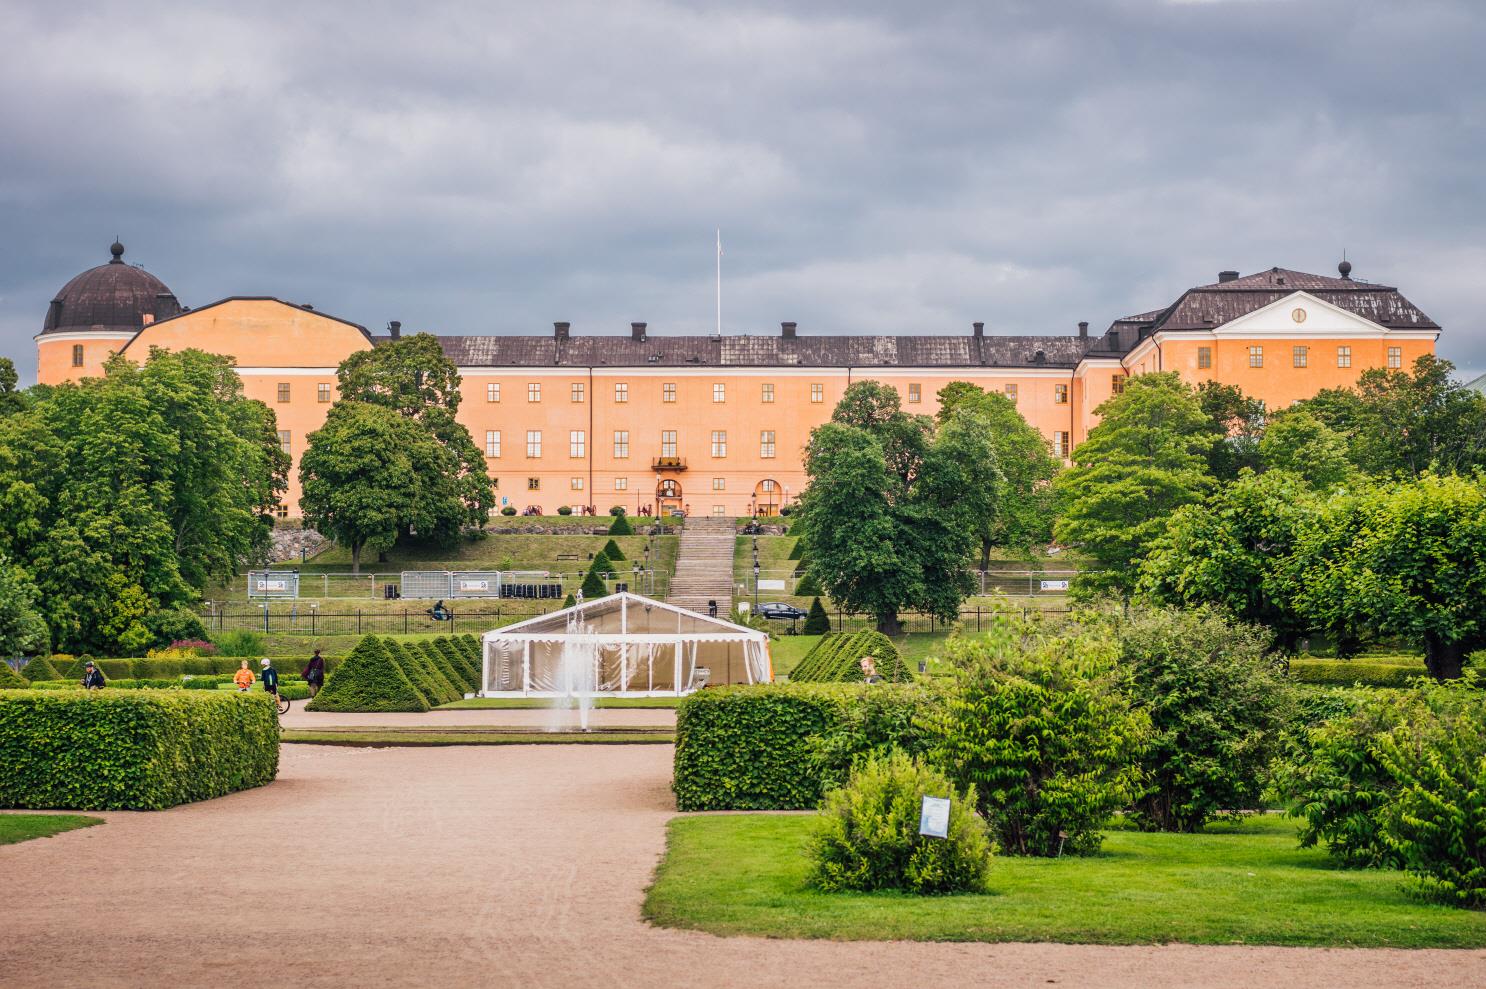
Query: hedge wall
{"type": "Point", "coordinates": [422, 670]}
{"type": "Point", "coordinates": [744, 748]}
{"type": "Point", "coordinates": [1344, 672]}
{"type": "Point", "coordinates": [10, 679]}
{"type": "Point", "coordinates": [136, 750]}
{"type": "Point", "coordinates": [369, 680]}
{"type": "Point", "coordinates": [837, 658]}
{"type": "Point", "coordinates": [40, 668]}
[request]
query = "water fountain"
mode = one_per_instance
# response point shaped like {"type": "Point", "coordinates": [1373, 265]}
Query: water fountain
{"type": "Point", "coordinates": [578, 672]}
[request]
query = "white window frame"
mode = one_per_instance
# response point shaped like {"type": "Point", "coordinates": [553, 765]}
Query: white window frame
{"type": "Point", "coordinates": [719, 392]}
{"type": "Point", "coordinates": [533, 391]}
{"type": "Point", "coordinates": [492, 443]}
{"type": "Point", "coordinates": [621, 444]}
{"type": "Point", "coordinates": [766, 444]}
{"type": "Point", "coordinates": [768, 397]}
{"type": "Point", "coordinates": [719, 443]}
{"type": "Point", "coordinates": [533, 444]}
{"type": "Point", "coordinates": [577, 443]}
{"type": "Point", "coordinates": [492, 391]}
{"type": "Point", "coordinates": [621, 392]}
{"type": "Point", "coordinates": [668, 443]}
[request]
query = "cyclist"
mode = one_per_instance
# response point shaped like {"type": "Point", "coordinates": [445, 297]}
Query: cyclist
{"type": "Point", "coordinates": [270, 677]}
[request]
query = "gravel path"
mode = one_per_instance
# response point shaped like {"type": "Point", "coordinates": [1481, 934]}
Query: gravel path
{"type": "Point", "coordinates": [622, 717]}
{"type": "Point", "coordinates": [520, 866]}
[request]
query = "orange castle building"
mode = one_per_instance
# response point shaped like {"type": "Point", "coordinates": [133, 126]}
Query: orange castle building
{"type": "Point", "coordinates": [717, 425]}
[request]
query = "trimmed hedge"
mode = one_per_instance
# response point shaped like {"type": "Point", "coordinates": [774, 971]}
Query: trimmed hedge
{"type": "Point", "coordinates": [613, 552]}
{"type": "Point", "coordinates": [10, 679]}
{"type": "Point", "coordinates": [137, 750]}
{"type": "Point", "coordinates": [837, 657]}
{"type": "Point", "coordinates": [40, 668]}
{"type": "Point", "coordinates": [369, 680]}
{"type": "Point", "coordinates": [421, 671]}
{"type": "Point", "coordinates": [443, 660]}
{"type": "Point", "coordinates": [457, 658]}
{"type": "Point", "coordinates": [1344, 672]}
{"type": "Point", "coordinates": [746, 748]}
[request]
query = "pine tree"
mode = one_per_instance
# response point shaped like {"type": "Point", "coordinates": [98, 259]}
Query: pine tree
{"type": "Point", "coordinates": [817, 622]}
{"type": "Point", "coordinates": [613, 552]}
{"type": "Point", "coordinates": [621, 527]}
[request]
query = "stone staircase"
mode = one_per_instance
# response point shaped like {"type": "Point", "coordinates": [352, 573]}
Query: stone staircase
{"type": "Point", "coordinates": [704, 566]}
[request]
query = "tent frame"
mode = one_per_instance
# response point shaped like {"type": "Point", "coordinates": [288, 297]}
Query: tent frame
{"type": "Point", "coordinates": [521, 632]}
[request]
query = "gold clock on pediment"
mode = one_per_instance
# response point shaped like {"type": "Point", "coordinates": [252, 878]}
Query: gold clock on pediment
{"type": "Point", "coordinates": [1298, 315]}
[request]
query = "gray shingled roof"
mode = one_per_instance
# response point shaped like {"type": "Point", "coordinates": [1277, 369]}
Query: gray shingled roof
{"type": "Point", "coordinates": [765, 351]}
{"type": "Point", "coordinates": [1207, 306]}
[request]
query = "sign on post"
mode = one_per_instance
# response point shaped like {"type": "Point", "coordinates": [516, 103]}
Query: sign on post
{"type": "Point", "coordinates": [273, 584]}
{"type": "Point", "coordinates": [933, 818]}
{"type": "Point", "coordinates": [1054, 585]}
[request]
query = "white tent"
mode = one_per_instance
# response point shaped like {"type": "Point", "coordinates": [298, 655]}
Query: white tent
{"type": "Point", "coordinates": [622, 645]}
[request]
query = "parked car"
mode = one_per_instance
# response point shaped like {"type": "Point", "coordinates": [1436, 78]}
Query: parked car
{"type": "Point", "coordinates": [781, 611]}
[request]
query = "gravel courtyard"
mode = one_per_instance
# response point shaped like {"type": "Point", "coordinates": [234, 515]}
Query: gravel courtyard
{"type": "Point", "coordinates": [506, 866]}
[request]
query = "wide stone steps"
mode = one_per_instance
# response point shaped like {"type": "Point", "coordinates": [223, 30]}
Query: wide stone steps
{"type": "Point", "coordinates": [704, 566]}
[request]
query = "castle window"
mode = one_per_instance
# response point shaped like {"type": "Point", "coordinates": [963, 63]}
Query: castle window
{"type": "Point", "coordinates": [1300, 356]}
{"type": "Point", "coordinates": [492, 442]}
{"type": "Point", "coordinates": [621, 484]}
{"type": "Point", "coordinates": [533, 442]}
{"type": "Point", "coordinates": [1204, 357]}
{"type": "Point", "coordinates": [1344, 357]}
{"type": "Point", "coordinates": [1011, 392]}
{"type": "Point", "coordinates": [283, 391]}
{"type": "Point", "coordinates": [577, 395]}
{"type": "Point", "coordinates": [1256, 357]}
{"type": "Point", "coordinates": [719, 484]}
{"type": "Point", "coordinates": [766, 444]}
{"type": "Point", "coordinates": [915, 393]}
{"type": "Point", "coordinates": [621, 443]}
{"type": "Point", "coordinates": [817, 393]}
{"type": "Point", "coordinates": [1395, 357]}
{"type": "Point", "coordinates": [575, 484]}
{"type": "Point", "coordinates": [719, 392]}
{"type": "Point", "coordinates": [284, 441]}
{"type": "Point", "coordinates": [322, 392]}
{"type": "Point", "coordinates": [533, 484]}
{"type": "Point", "coordinates": [1117, 385]}
{"type": "Point", "coordinates": [577, 443]}
{"type": "Point", "coordinates": [668, 392]}
{"type": "Point", "coordinates": [768, 393]}
{"type": "Point", "coordinates": [492, 392]}
{"type": "Point", "coordinates": [621, 391]}
{"type": "Point", "coordinates": [534, 391]}
{"type": "Point", "coordinates": [719, 443]}
{"type": "Point", "coordinates": [1060, 444]}
{"type": "Point", "coordinates": [668, 443]}
{"type": "Point", "coordinates": [719, 511]}
{"type": "Point", "coordinates": [1060, 394]}
{"type": "Point", "coordinates": [77, 358]}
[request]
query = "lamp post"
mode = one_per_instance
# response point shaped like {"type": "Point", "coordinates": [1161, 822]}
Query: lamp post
{"type": "Point", "coordinates": [264, 606]}
{"type": "Point", "coordinates": [755, 585]}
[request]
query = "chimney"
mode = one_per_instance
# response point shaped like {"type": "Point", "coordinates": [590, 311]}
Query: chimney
{"type": "Point", "coordinates": [978, 330]}
{"type": "Point", "coordinates": [1227, 276]}
{"type": "Point", "coordinates": [1083, 329]}
{"type": "Point", "coordinates": [637, 331]}
{"type": "Point", "coordinates": [788, 330]}
{"type": "Point", "coordinates": [394, 328]}
{"type": "Point", "coordinates": [560, 330]}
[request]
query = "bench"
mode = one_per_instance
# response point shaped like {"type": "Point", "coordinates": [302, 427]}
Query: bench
{"type": "Point", "coordinates": [569, 556]}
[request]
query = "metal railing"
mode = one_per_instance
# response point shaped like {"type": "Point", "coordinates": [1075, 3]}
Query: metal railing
{"type": "Point", "coordinates": [344, 586]}
{"type": "Point", "coordinates": [1013, 583]}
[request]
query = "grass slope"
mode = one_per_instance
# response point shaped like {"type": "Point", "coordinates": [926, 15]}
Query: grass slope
{"type": "Point", "coordinates": [1245, 884]}
{"type": "Point", "coordinates": [24, 827]}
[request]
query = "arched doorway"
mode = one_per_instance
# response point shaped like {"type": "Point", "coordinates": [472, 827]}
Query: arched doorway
{"type": "Point", "coordinates": [768, 496]}
{"type": "Point", "coordinates": [668, 496]}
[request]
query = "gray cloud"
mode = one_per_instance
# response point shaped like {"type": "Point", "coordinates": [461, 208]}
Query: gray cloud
{"type": "Point", "coordinates": [472, 168]}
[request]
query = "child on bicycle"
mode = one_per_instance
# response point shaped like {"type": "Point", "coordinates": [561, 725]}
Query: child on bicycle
{"type": "Point", "coordinates": [243, 678]}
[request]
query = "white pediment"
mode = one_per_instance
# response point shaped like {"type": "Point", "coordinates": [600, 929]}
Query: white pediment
{"type": "Point", "coordinates": [1301, 314]}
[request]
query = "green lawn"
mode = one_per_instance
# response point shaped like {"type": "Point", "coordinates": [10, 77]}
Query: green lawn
{"type": "Point", "coordinates": [788, 650]}
{"type": "Point", "coordinates": [24, 827]}
{"type": "Point", "coordinates": [1245, 884]}
{"type": "Point", "coordinates": [526, 703]}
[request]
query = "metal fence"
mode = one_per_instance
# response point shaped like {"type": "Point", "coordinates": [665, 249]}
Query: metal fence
{"type": "Point", "coordinates": [1013, 583]}
{"type": "Point", "coordinates": [344, 586]}
{"type": "Point", "coordinates": [969, 620]}
{"type": "Point", "coordinates": [302, 619]}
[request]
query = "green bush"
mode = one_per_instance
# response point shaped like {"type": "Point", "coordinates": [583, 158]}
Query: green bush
{"type": "Point", "coordinates": [808, 586]}
{"type": "Point", "coordinates": [621, 525]}
{"type": "Point", "coordinates": [613, 552]}
{"type": "Point", "coordinates": [1217, 706]}
{"type": "Point", "coordinates": [877, 723]}
{"type": "Point", "coordinates": [1437, 821]}
{"type": "Point", "coordinates": [113, 669]}
{"type": "Point", "coordinates": [593, 587]}
{"type": "Point", "coordinates": [817, 622]}
{"type": "Point", "coordinates": [240, 644]}
{"type": "Point", "coordinates": [1346, 672]}
{"type": "Point", "coordinates": [1041, 726]}
{"type": "Point", "coordinates": [10, 679]}
{"type": "Point", "coordinates": [837, 658]}
{"type": "Point", "coordinates": [867, 839]}
{"type": "Point", "coordinates": [40, 668]}
{"type": "Point", "coordinates": [175, 625]}
{"type": "Point", "coordinates": [601, 564]}
{"type": "Point", "coordinates": [461, 653]}
{"type": "Point", "coordinates": [136, 750]}
{"type": "Point", "coordinates": [564, 509]}
{"type": "Point", "coordinates": [446, 659]}
{"type": "Point", "coordinates": [748, 748]}
{"type": "Point", "coordinates": [569, 601]}
{"type": "Point", "coordinates": [508, 511]}
{"type": "Point", "coordinates": [422, 671]}
{"type": "Point", "coordinates": [369, 680]}
{"type": "Point", "coordinates": [56, 685]}
{"type": "Point", "coordinates": [157, 668]}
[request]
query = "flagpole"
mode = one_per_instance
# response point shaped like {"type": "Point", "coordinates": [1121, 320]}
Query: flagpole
{"type": "Point", "coordinates": [719, 281]}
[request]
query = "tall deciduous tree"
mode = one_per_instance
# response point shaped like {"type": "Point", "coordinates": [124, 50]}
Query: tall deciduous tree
{"type": "Point", "coordinates": [412, 377]}
{"type": "Point", "coordinates": [11, 398]}
{"type": "Point", "coordinates": [963, 473]}
{"type": "Point", "coordinates": [1024, 516]}
{"type": "Point", "coordinates": [1401, 561]}
{"type": "Point", "coordinates": [1237, 425]}
{"type": "Point", "coordinates": [1298, 442]}
{"type": "Point", "coordinates": [23, 631]}
{"type": "Point", "coordinates": [1145, 459]}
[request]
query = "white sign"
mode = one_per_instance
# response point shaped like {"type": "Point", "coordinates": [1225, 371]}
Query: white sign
{"type": "Point", "coordinates": [771, 585]}
{"type": "Point", "coordinates": [933, 819]}
{"type": "Point", "coordinates": [474, 585]}
{"type": "Point", "coordinates": [1054, 585]}
{"type": "Point", "coordinates": [273, 585]}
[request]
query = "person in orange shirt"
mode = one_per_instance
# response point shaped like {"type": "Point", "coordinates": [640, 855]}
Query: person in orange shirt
{"type": "Point", "coordinates": [244, 677]}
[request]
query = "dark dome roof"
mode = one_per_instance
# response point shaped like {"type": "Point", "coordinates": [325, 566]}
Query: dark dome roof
{"type": "Point", "coordinates": [113, 296]}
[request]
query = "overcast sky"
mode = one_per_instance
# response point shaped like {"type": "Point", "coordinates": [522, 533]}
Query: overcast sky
{"type": "Point", "coordinates": [485, 167]}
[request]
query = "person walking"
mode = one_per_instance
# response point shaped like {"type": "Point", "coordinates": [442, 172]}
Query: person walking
{"type": "Point", "coordinates": [314, 674]}
{"type": "Point", "coordinates": [93, 677]}
{"type": "Point", "coordinates": [270, 677]}
{"type": "Point", "coordinates": [243, 678]}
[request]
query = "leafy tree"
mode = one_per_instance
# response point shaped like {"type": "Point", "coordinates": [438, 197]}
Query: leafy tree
{"type": "Point", "coordinates": [1234, 551]}
{"type": "Point", "coordinates": [1300, 443]}
{"type": "Point", "coordinates": [23, 631]}
{"type": "Point", "coordinates": [963, 473]}
{"type": "Point", "coordinates": [1043, 730]}
{"type": "Point", "coordinates": [1145, 459]}
{"type": "Point", "coordinates": [817, 622]}
{"type": "Point", "coordinates": [1403, 423]}
{"type": "Point", "coordinates": [877, 409]}
{"type": "Point", "coordinates": [1237, 425]}
{"type": "Point", "coordinates": [413, 377]}
{"type": "Point", "coordinates": [364, 479]}
{"type": "Point", "coordinates": [1217, 705]}
{"type": "Point", "coordinates": [11, 398]}
{"type": "Point", "coordinates": [1024, 515]}
{"type": "Point", "coordinates": [1401, 561]}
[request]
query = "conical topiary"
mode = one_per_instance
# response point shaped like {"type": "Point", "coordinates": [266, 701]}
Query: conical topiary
{"type": "Point", "coordinates": [601, 564]}
{"type": "Point", "coordinates": [613, 552]}
{"type": "Point", "coordinates": [593, 587]}
{"type": "Point", "coordinates": [817, 622]}
{"type": "Point", "coordinates": [10, 679]}
{"type": "Point", "coordinates": [807, 586]}
{"type": "Point", "coordinates": [369, 680]}
{"type": "Point", "coordinates": [621, 527]}
{"type": "Point", "coordinates": [797, 551]}
{"type": "Point", "coordinates": [449, 663]}
{"type": "Point", "coordinates": [569, 601]}
{"type": "Point", "coordinates": [422, 671]}
{"type": "Point", "coordinates": [40, 668]}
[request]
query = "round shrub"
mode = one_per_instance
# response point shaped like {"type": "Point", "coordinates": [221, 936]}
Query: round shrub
{"type": "Point", "coordinates": [508, 511]}
{"type": "Point", "coordinates": [866, 837]}
{"type": "Point", "coordinates": [564, 510]}
{"type": "Point", "coordinates": [616, 510]}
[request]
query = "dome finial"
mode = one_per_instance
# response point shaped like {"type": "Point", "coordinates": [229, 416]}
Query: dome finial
{"type": "Point", "coordinates": [117, 250]}
{"type": "Point", "coordinates": [1345, 267]}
